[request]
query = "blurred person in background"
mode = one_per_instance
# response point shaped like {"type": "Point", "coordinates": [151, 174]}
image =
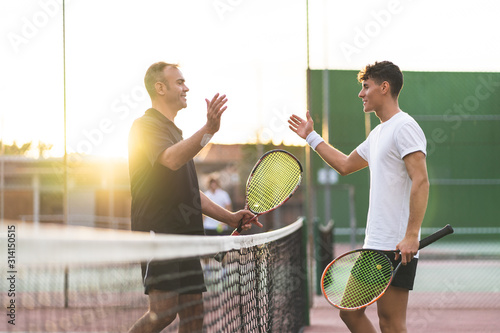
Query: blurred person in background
{"type": "Point", "coordinates": [220, 197]}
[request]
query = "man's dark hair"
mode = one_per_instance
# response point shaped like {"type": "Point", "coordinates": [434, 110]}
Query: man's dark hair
{"type": "Point", "coordinates": [155, 74]}
{"type": "Point", "coordinates": [383, 71]}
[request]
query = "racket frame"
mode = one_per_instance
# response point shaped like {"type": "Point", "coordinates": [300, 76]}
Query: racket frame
{"type": "Point", "coordinates": [326, 271]}
{"type": "Point", "coordinates": [446, 230]}
{"type": "Point", "coordinates": [236, 232]}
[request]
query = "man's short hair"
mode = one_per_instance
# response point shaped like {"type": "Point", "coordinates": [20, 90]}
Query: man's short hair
{"type": "Point", "coordinates": [213, 179]}
{"type": "Point", "coordinates": [383, 71]}
{"type": "Point", "coordinates": [155, 74]}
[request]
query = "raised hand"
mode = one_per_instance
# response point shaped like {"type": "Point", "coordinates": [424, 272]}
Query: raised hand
{"type": "Point", "coordinates": [300, 126]}
{"type": "Point", "coordinates": [215, 109]}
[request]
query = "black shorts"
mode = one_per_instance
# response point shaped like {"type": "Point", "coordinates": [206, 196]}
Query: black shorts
{"type": "Point", "coordinates": [183, 276]}
{"type": "Point", "coordinates": [405, 276]}
{"type": "Point", "coordinates": [213, 232]}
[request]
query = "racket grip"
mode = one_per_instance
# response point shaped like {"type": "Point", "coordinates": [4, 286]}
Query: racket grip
{"type": "Point", "coordinates": [435, 236]}
{"type": "Point", "coordinates": [220, 256]}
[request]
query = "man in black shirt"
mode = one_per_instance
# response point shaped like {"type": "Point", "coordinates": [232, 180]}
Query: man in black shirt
{"type": "Point", "coordinates": [166, 197]}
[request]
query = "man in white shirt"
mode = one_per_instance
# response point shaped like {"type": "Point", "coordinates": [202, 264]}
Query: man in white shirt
{"type": "Point", "coordinates": [395, 152]}
{"type": "Point", "coordinates": [220, 197]}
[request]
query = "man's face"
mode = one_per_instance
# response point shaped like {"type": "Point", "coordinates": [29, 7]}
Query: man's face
{"type": "Point", "coordinates": [213, 185]}
{"type": "Point", "coordinates": [176, 89]}
{"type": "Point", "coordinates": [371, 94]}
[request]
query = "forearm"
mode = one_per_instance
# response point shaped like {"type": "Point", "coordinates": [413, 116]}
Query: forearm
{"type": "Point", "coordinates": [213, 210]}
{"type": "Point", "coordinates": [418, 205]}
{"type": "Point", "coordinates": [182, 152]}
{"type": "Point", "coordinates": [333, 157]}
{"type": "Point", "coordinates": [342, 163]}
{"type": "Point", "coordinates": [419, 194]}
{"type": "Point", "coordinates": [339, 161]}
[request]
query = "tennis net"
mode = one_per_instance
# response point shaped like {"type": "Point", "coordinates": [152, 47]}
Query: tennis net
{"type": "Point", "coordinates": [76, 279]}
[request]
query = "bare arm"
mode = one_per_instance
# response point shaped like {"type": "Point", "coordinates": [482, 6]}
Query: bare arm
{"type": "Point", "coordinates": [213, 210]}
{"type": "Point", "coordinates": [180, 153]}
{"type": "Point", "coordinates": [342, 163]}
{"type": "Point", "coordinates": [419, 194]}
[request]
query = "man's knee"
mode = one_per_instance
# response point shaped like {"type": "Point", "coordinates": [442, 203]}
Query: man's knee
{"type": "Point", "coordinates": [191, 307]}
{"type": "Point", "coordinates": [389, 323]}
{"type": "Point", "coordinates": [391, 310]}
{"type": "Point", "coordinates": [351, 316]}
{"type": "Point", "coordinates": [161, 320]}
{"type": "Point", "coordinates": [162, 308]}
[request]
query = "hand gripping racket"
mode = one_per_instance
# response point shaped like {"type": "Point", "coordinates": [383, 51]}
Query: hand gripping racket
{"type": "Point", "coordinates": [360, 277]}
{"type": "Point", "coordinates": [273, 180]}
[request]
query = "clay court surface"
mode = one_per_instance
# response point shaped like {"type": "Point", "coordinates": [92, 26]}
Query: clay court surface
{"type": "Point", "coordinates": [453, 292]}
{"type": "Point", "coordinates": [421, 319]}
{"type": "Point", "coordinates": [457, 289]}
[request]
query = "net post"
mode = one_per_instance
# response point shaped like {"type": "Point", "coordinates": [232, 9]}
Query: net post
{"type": "Point", "coordinates": [307, 303]}
{"type": "Point", "coordinates": [66, 287]}
{"type": "Point", "coordinates": [352, 213]}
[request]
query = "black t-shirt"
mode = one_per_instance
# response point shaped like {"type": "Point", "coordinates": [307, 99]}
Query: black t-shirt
{"type": "Point", "coordinates": [163, 200]}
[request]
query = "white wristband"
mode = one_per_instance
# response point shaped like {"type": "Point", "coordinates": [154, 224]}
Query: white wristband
{"type": "Point", "coordinates": [314, 139]}
{"type": "Point", "coordinates": [206, 139]}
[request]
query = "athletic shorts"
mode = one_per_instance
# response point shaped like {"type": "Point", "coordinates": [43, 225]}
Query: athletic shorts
{"type": "Point", "coordinates": [213, 232]}
{"type": "Point", "coordinates": [405, 276]}
{"type": "Point", "coordinates": [181, 276]}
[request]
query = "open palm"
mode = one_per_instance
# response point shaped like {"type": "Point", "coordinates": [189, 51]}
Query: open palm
{"type": "Point", "coordinates": [301, 126]}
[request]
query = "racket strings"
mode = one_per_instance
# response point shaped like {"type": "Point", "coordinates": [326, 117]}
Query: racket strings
{"type": "Point", "coordinates": [275, 178]}
{"type": "Point", "coordinates": [357, 279]}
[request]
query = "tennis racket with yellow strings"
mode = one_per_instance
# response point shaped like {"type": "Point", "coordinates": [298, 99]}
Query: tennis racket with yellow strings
{"type": "Point", "coordinates": [360, 277]}
{"type": "Point", "coordinates": [273, 180]}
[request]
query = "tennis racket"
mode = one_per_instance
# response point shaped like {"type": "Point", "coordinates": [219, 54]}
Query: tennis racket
{"type": "Point", "coordinates": [360, 277]}
{"type": "Point", "coordinates": [273, 180]}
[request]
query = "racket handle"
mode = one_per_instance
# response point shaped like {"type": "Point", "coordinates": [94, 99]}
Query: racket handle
{"type": "Point", "coordinates": [435, 236]}
{"type": "Point", "coordinates": [220, 256]}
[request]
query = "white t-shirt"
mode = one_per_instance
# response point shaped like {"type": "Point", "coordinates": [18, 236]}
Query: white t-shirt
{"type": "Point", "coordinates": [390, 184]}
{"type": "Point", "coordinates": [221, 198]}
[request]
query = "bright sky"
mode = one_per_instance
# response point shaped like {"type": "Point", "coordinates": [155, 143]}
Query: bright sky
{"type": "Point", "coordinates": [253, 51]}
